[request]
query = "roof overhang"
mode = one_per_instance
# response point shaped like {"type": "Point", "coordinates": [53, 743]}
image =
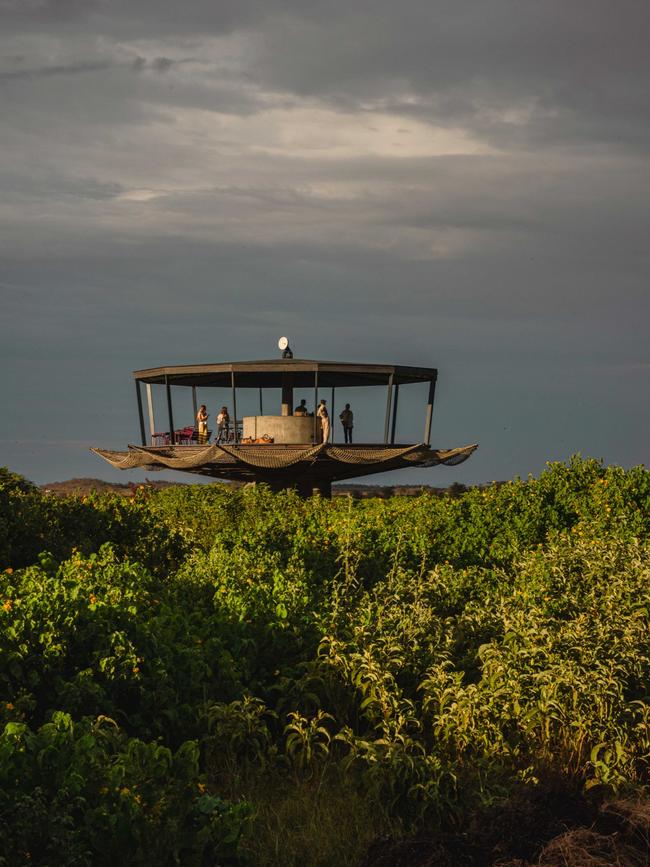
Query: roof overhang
{"type": "Point", "coordinates": [272, 374]}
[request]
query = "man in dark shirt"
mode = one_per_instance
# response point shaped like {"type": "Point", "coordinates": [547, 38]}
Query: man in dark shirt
{"type": "Point", "coordinates": [347, 420]}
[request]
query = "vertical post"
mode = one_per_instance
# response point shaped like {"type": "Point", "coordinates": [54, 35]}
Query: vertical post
{"type": "Point", "coordinates": [234, 404]}
{"type": "Point", "coordinates": [392, 432]}
{"type": "Point", "coordinates": [194, 404]}
{"type": "Point", "coordinates": [287, 394]}
{"type": "Point", "coordinates": [152, 423]}
{"type": "Point", "coordinates": [389, 395]}
{"type": "Point", "coordinates": [143, 436]}
{"type": "Point", "coordinates": [427, 424]}
{"type": "Point", "coordinates": [261, 402]}
{"type": "Point", "coordinates": [332, 419]}
{"type": "Point", "coordinates": [170, 414]}
{"type": "Point", "coordinates": [316, 420]}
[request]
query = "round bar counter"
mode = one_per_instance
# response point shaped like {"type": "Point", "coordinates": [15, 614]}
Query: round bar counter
{"type": "Point", "coordinates": [283, 429]}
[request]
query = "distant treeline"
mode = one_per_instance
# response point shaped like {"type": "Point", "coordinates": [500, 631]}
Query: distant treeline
{"type": "Point", "coordinates": [83, 487]}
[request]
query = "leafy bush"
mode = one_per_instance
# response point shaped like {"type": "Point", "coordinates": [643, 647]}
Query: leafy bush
{"type": "Point", "coordinates": [418, 658]}
{"type": "Point", "coordinates": [85, 794]}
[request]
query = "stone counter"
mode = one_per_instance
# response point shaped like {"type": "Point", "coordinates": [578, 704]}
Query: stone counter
{"type": "Point", "coordinates": [285, 429]}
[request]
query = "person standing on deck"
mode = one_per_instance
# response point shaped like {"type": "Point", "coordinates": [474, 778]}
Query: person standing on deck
{"type": "Point", "coordinates": [324, 417]}
{"type": "Point", "coordinates": [223, 425]}
{"type": "Point", "coordinates": [202, 424]}
{"type": "Point", "coordinates": [347, 420]}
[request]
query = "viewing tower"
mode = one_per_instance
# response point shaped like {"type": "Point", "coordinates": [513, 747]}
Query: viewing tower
{"type": "Point", "coordinates": [284, 450]}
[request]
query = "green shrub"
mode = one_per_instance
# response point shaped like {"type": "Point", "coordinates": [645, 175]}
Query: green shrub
{"type": "Point", "coordinates": [85, 794]}
{"type": "Point", "coordinates": [420, 658]}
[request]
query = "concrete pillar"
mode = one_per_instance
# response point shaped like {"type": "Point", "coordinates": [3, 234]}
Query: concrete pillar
{"type": "Point", "coordinates": [322, 488]}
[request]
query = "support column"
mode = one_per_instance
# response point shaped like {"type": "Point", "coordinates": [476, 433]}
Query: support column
{"type": "Point", "coordinates": [152, 422]}
{"type": "Point", "coordinates": [194, 404]}
{"type": "Point", "coordinates": [316, 419]}
{"type": "Point", "coordinates": [429, 414]}
{"type": "Point", "coordinates": [332, 417]}
{"type": "Point", "coordinates": [322, 488]}
{"type": "Point", "coordinates": [287, 394]}
{"type": "Point", "coordinates": [392, 432]}
{"type": "Point", "coordinates": [143, 436]}
{"type": "Point", "coordinates": [234, 405]}
{"type": "Point", "coordinates": [170, 414]}
{"type": "Point", "coordinates": [261, 403]}
{"type": "Point", "coordinates": [389, 396]}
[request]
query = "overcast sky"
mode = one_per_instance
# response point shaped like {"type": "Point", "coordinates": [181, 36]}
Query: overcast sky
{"type": "Point", "coordinates": [455, 184]}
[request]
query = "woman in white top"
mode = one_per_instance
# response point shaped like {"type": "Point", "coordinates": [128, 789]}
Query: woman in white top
{"type": "Point", "coordinates": [223, 425]}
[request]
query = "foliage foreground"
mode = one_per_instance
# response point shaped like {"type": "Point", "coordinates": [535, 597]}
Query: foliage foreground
{"type": "Point", "coordinates": [204, 676]}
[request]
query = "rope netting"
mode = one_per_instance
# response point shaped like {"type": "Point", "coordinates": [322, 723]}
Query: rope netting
{"type": "Point", "coordinates": [369, 456]}
{"type": "Point", "coordinates": [448, 457]}
{"type": "Point", "coordinates": [269, 457]}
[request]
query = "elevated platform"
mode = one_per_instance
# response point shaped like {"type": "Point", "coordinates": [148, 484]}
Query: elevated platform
{"type": "Point", "coordinates": [305, 467]}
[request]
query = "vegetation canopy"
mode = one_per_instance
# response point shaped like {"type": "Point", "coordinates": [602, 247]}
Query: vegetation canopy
{"type": "Point", "coordinates": [205, 676]}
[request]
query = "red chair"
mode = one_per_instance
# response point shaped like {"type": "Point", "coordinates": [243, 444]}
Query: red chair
{"type": "Point", "coordinates": [184, 436]}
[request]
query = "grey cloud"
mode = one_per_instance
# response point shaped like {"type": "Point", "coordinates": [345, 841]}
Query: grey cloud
{"type": "Point", "coordinates": [162, 64]}
{"type": "Point", "coordinates": [48, 71]}
{"type": "Point", "coordinates": [159, 64]}
{"type": "Point", "coordinates": [517, 74]}
{"type": "Point", "coordinates": [553, 51]}
{"type": "Point", "coordinates": [138, 64]}
{"type": "Point", "coordinates": [43, 185]}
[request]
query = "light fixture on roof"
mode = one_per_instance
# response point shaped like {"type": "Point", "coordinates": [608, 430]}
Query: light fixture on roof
{"type": "Point", "coordinates": [283, 344]}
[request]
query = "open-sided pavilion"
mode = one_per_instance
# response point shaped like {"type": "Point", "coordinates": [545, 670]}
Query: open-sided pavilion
{"type": "Point", "coordinates": [282, 449]}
